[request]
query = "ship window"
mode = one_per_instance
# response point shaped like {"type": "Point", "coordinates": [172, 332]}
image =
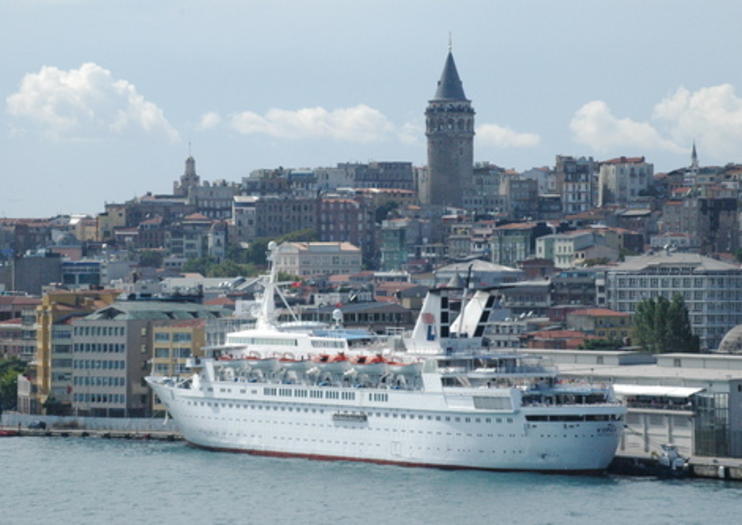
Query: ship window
{"type": "Point", "coordinates": [437, 418]}
{"type": "Point", "coordinates": [510, 420]}
{"type": "Point", "coordinates": [458, 419]}
{"type": "Point", "coordinates": [448, 418]}
{"type": "Point", "coordinates": [477, 420]}
{"type": "Point", "coordinates": [499, 420]}
{"type": "Point", "coordinates": [488, 420]}
{"type": "Point", "coordinates": [467, 419]}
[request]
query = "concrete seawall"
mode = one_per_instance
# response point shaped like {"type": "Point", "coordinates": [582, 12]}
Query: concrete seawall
{"type": "Point", "coordinates": [13, 419]}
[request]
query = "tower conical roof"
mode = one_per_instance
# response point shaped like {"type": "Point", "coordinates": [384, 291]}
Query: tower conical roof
{"type": "Point", "coordinates": [449, 86]}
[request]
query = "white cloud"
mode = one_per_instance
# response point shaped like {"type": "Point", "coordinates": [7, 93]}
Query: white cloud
{"type": "Point", "coordinates": [410, 133]}
{"type": "Point", "coordinates": [84, 104]}
{"type": "Point", "coordinates": [595, 125]}
{"type": "Point", "coordinates": [359, 123]}
{"type": "Point", "coordinates": [712, 116]}
{"type": "Point", "coordinates": [502, 137]}
{"type": "Point", "coordinates": [209, 120]}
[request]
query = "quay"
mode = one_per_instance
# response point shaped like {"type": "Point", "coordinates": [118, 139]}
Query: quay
{"type": "Point", "coordinates": [155, 435]}
{"type": "Point", "coordinates": [698, 467]}
{"type": "Point", "coordinates": [623, 464]}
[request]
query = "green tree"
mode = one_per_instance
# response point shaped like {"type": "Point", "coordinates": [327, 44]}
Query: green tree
{"type": "Point", "coordinates": [258, 249]}
{"type": "Point", "coordinates": [383, 211]}
{"type": "Point", "coordinates": [664, 326]}
{"type": "Point", "coordinates": [9, 370]}
{"type": "Point", "coordinates": [200, 265]}
{"type": "Point", "coordinates": [601, 344]}
{"type": "Point", "coordinates": [150, 258]}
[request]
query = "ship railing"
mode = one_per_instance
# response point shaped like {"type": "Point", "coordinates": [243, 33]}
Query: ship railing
{"type": "Point", "coordinates": [512, 370]}
{"type": "Point", "coordinates": [660, 406]}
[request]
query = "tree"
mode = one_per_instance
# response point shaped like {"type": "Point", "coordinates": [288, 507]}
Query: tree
{"type": "Point", "coordinates": [200, 265]}
{"type": "Point", "coordinates": [150, 258]}
{"type": "Point", "coordinates": [257, 251]}
{"type": "Point", "coordinates": [664, 326]}
{"type": "Point", "coordinates": [9, 370]}
{"type": "Point", "coordinates": [601, 344]}
{"type": "Point", "coordinates": [383, 211]}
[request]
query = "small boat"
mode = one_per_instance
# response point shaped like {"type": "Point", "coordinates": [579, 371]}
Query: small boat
{"type": "Point", "coordinates": [8, 433]}
{"type": "Point", "coordinates": [267, 364]}
{"type": "Point", "coordinates": [371, 365]}
{"type": "Point", "coordinates": [334, 364]}
{"type": "Point", "coordinates": [407, 369]}
{"type": "Point", "coordinates": [297, 365]}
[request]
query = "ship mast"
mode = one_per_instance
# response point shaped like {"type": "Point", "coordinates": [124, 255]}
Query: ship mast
{"type": "Point", "coordinates": [268, 305]}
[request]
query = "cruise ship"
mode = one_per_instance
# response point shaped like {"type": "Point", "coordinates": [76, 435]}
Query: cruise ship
{"type": "Point", "coordinates": [437, 398]}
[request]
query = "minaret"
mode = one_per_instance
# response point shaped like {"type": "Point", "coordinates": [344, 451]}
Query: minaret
{"type": "Point", "coordinates": [449, 127]}
{"type": "Point", "coordinates": [694, 158]}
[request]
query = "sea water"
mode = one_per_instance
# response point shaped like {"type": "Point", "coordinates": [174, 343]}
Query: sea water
{"type": "Point", "coordinates": [88, 480]}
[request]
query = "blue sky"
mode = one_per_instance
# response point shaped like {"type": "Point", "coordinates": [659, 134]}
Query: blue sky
{"type": "Point", "coordinates": [98, 100]}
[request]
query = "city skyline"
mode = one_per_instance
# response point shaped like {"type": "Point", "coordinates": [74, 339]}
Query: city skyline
{"type": "Point", "coordinates": [87, 119]}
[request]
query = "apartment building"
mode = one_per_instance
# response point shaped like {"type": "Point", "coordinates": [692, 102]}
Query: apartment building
{"type": "Point", "coordinates": [712, 289]}
{"type": "Point", "coordinates": [313, 259]}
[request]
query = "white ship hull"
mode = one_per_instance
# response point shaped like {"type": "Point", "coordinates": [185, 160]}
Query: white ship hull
{"type": "Point", "coordinates": [400, 427]}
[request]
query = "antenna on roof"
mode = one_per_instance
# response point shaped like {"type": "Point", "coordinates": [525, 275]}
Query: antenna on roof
{"type": "Point", "coordinates": [450, 42]}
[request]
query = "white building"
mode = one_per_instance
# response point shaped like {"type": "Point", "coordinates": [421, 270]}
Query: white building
{"type": "Point", "coordinates": [712, 289]}
{"type": "Point", "coordinates": [571, 249]}
{"type": "Point", "coordinates": [307, 259]}
{"type": "Point", "coordinates": [623, 180]}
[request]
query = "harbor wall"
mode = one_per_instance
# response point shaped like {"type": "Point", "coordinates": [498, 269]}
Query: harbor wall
{"type": "Point", "coordinates": [144, 424]}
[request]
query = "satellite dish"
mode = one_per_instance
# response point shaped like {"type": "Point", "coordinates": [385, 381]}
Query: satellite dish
{"type": "Point", "coordinates": [337, 315]}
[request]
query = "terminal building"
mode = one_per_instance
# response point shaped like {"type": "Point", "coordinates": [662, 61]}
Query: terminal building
{"type": "Point", "coordinates": [693, 401]}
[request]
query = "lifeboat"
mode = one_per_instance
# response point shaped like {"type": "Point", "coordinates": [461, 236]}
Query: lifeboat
{"type": "Point", "coordinates": [334, 364]}
{"type": "Point", "coordinates": [289, 362]}
{"type": "Point", "coordinates": [268, 364]}
{"type": "Point", "coordinates": [406, 369]}
{"type": "Point", "coordinates": [371, 365]}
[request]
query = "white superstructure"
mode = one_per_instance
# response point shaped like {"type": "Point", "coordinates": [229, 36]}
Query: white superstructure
{"type": "Point", "coordinates": [446, 401]}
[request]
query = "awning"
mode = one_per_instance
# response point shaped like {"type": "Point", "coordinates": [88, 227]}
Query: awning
{"type": "Point", "coordinates": [655, 390]}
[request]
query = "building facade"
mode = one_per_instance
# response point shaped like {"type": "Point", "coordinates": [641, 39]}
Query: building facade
{"type": "Point", "coordinates": [314, 259]}
{"type": "Point", "coordinates": [575, 179]}
{"type": "Point", "coordinates": [712, 289]}
{"type": "Point", "coordinates": [623, 180]}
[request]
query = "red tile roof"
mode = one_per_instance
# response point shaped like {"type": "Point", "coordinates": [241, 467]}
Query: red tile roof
{"type": "Point", "coordinates": [557, 334]}
{"type": "Point", "coordinates": [517, 226]}
{"type": "Point", "coordinates": [220, 301]}
{"type": "Point", "coordinates": [625, 160]}
{"type": "Point", "coordinates": [196, 217]}
{"type": "Point", "coordinates": [599, 312]}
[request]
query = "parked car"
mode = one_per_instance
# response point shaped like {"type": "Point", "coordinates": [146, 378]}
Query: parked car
{"type": "Point", "coordinates": [38, 425]}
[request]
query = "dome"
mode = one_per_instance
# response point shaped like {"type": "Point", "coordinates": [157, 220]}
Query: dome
{"type": "Point", "coordinates": [732, 342]}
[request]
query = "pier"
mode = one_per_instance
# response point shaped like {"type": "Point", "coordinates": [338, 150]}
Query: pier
{"type": "Point", "coordinates": [155, 435]}
{"type": "Point", "coordinates": [698, 467]}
